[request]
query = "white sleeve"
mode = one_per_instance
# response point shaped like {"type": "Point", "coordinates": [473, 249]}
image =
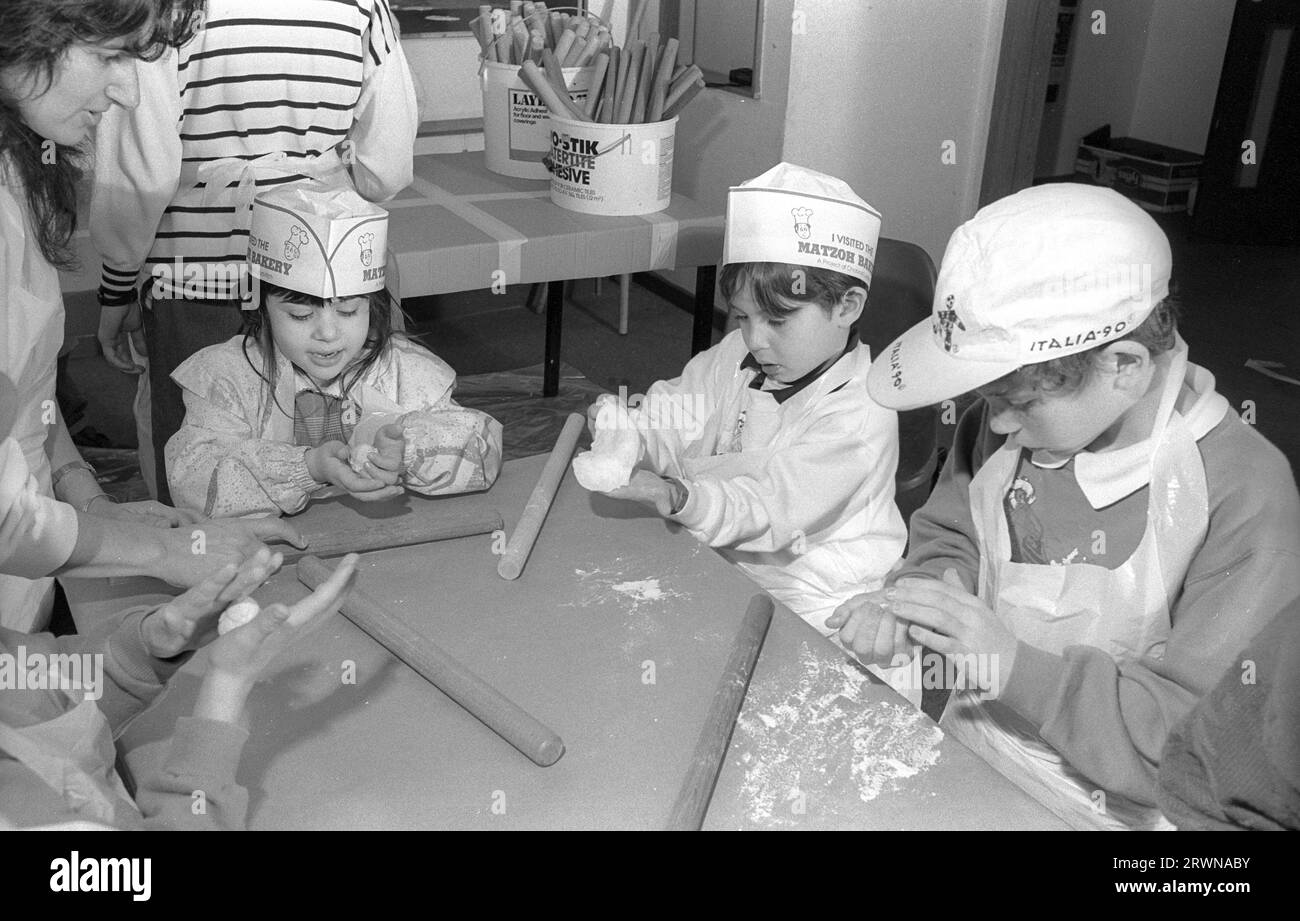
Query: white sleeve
{"type": "Point", "coordinates": [37, 533]}
{"type": "Point", "coordinates": [387, 116]}
{"type": "Point", "coordinates": [137, 168]}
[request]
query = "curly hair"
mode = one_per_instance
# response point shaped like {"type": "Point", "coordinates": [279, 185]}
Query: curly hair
{"type": "Point", "coordinates": [1157, 333]}
{"type": "Point", "coordinates": [780, 289]}
{"type": "Point", "coordinates": [35, 35]}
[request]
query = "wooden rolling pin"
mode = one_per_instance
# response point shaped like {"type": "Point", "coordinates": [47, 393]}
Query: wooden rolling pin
{"type": "Point", "coordinates": [483, 701]}
{"type": "Point", "coordinates": [693, 798]}
{"type": "Point", "coordinates": [397, 532]}
{"type": "Point", "coordinates": [539, 503]}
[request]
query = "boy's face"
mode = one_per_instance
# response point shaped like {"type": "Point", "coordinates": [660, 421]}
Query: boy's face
{"type": "Point", "coordinates": [1063, 424]}
{"type": "Point", "coordinates": [791, 346]}
{"type": "Point", "coordinates": [322, 341]}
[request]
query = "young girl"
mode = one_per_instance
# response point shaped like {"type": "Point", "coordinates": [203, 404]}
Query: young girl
{"type": "Point", "coordinates": [317, 391]}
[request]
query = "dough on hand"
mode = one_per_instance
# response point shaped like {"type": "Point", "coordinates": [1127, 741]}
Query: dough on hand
{"type": "Point", "coordinates": [614, 452]}
{"type": "Point", "coordinates": [237, 614]}
{"type": "Point", "coordinates": [358, 457]}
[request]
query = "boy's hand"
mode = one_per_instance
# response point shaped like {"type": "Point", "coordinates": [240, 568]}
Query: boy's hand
{"type": "Point", "coordinates": [237, 659]}
{"type": "Point", "coordinates": [648, 489]}
{"type": "Point", "coordinates": [328, 463]}
{"type": "Point", "coordinates": [189, 621]}
{"type": "Point", "coordinates": [868, 628]}
{"type": "Point", "coordinates": [950, 620]}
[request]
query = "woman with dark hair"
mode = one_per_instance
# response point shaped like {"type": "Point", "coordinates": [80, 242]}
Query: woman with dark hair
{"type": "Point", "coordinates": [63, 64]}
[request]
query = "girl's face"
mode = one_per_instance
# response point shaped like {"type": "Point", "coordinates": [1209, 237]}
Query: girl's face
{"type": "Point", "coordinates": [88, 80]}
{"type": "Point", "coordinates": [323, 341]}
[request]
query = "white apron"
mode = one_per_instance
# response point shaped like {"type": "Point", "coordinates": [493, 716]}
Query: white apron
{"type": "Point", "coordinates": [748, 421]}
{"type": "Point", "coordinates": [75, 756]}
{"type": "Point", "coordinates": [32, 333]}
{"type": "Point", "coordinates": [1124, 611]}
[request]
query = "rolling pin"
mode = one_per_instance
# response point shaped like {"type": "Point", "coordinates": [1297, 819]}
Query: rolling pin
{"type": "Point", "coordinates": [397, 532]}
{"type": "Point", "coordinates": [539, 503]}
{"type": "Point", "coordinates": [479, 698]}
{"type": "Point", "coordinates": [693, 798]}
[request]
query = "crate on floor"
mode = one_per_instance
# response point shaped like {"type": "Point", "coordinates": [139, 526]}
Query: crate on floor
{"type": "Point", "coordinates": [1159, 178]}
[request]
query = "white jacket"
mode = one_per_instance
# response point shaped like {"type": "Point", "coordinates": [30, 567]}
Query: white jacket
{"type": "Point", "coordinates": [235, 454]}
{"type": "Point", "coordinates": [800, 495]}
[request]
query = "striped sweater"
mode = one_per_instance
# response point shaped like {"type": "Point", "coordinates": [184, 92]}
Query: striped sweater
{"type": "Point", "coordinates": [322, 82]}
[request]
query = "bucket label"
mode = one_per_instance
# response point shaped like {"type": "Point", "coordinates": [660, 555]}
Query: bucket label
{"type": "Point", "coordinates": [611, 169]}
{"type": "Point", "coordinates": [528, 122]}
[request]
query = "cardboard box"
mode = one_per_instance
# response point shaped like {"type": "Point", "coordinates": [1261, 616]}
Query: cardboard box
{"type": "Point", "coordinates": [1157, 177]}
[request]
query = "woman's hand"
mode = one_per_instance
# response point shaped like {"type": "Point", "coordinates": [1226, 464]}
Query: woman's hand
{"type": "Point", "coordinates": [329, 463]}
{"type": "Point", "coordinates": [147, 512]}
{"type": "Point", "coordinates": [192, 554]}
{"type": "Point", "coordinates": [191, 620]}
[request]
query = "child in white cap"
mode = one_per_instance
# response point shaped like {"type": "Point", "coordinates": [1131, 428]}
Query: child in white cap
{"type": "Point", "coordinates": [318, 395]}
{"type": "Point", "coordinates": [767, 446]}
{"type": "Point", "coordinates": [1106, 530]}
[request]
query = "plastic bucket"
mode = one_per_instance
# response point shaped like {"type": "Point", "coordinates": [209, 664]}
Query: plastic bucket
{"type": "Point", "coordinates": [516, 130]}
{"type": "Point", "coordinates": [612, 169]}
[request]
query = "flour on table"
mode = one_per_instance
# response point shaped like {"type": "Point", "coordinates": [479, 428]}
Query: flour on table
{"type": "Point", "coordinates": [794, 739]}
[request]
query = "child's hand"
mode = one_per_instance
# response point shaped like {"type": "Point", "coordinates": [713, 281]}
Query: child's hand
{"type": "Point", "coordinates": [328, 463]}
{"type": "Point", "coordinates": [189, 621]}
{"type": "Point", "coordinates": [388, 462]}
{"type": "Point", "coordinates": [950, 620]}
{"type": "Point", "coordinates": [594, 410]}
{"type": "Point", "coordinates": [648, 489]}
{"type": "Point", "coordinates": [237, 659]}
{"type": "Point", "coordinates": [868, 628]}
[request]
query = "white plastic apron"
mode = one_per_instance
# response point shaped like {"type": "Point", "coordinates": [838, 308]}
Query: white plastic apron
{"type": "Point", "coordinates": [748, 421]}
{"type": "Point", "coordinates": [217, 175]}
{"type": "Point", "coordinates": [74, 754]}
{"type": "Point", "coordinates": [32, 333]}
{"type": "Point", "coordinates": [1124, 611]}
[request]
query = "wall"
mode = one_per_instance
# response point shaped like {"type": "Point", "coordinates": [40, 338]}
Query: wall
{"type": "Point", "coordinates": [876, 90]}
{"type": "Point", "coordinates": [1153, 75]}
{"type": "Point", "coordinates": [1186, 40]}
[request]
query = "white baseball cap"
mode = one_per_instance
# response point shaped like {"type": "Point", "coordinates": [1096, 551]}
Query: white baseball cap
{"type": "Point", "coordinates": [802, 217]}
{"type": "Point", "coordinates": [1050, 271]}
{"type": "Point", "coordinates": [324, 243]}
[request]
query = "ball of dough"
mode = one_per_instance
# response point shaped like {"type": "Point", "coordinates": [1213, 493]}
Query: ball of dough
{"type": "Point", "coordinates": [237, 614]}
{"type": "Point", "coordinates": [614, 453]}
{"type": "Point", "coordinates": [360, 454]}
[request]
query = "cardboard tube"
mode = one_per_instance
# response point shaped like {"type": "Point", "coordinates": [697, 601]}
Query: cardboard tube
{"type": "Point", "coordinates": [693, 799]}
{"type": "Point", "coordinates": [484, 702]}
{"type": "Point", "coordinates": [398, 532]}
{"type": "Point", "coordinates": [627, 92]}
{"type": "Point", "coordinates": [554, 74]}
{"type": "Point", "coordinates": [575, 52]}
{"type": "Point", "coordinates": [609, 97]}
{"type": "Point", "coordinates": [642, 98]}
{"type": "Point", "coordinates": [595, 93]}
{"type": "Point", "coordinates": [539, 503]}
{"type": "Point", "coordinates": [659, 92]}
{"type": "Point", "coordinates": [685, 79]}
{"type": "Point", "coordinates": [531, 74]}
{"type": "Point", "coordinates": [634, 20]}
{"type": "Point", "coordinates": [681, 102]}
{"type": "Point", "coordinates": [563, 44]}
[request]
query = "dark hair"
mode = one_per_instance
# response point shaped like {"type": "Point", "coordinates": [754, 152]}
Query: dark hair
{"type": "Point", "coordinates": [34, 37]}
{"type": "Point", "coordinates": [1157, 333]}
{"type": "Point", "coordinates": [256, 330]}
{"type": "Point", "coordinates": [779, 288]}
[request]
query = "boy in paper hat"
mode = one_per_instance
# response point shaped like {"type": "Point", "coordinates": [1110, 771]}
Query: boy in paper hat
{"type": "Point", "coordinates": [1106, 529]}
{"type": "Point", "coordinates": [767, 447]}
{"type": "Point", "coordinates": [317, 395]}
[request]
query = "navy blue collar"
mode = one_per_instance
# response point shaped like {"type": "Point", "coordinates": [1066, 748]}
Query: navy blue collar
{"type": "Point", "coordinates": [784, 393]}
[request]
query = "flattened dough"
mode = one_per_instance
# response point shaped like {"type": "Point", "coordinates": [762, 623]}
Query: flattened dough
{"type": "Point", "coordinates": [614, 451]}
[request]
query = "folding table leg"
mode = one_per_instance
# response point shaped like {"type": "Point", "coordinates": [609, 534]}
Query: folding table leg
{"type": "Point", "coordinates": [706, 278]}
{"type": "Point", "coordinates": [554, 320]}
{"type": "Point", "coordinates": [624, 283]}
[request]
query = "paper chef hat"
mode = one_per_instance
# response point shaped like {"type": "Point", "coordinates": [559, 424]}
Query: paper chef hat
{"type": "Point", "coordinates": [799, 216]}
{"type": "Point", "coordinates": [327, 244]}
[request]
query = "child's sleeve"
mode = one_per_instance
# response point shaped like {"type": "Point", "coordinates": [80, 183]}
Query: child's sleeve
{"type": "Point", "coordinates": [1111, 719]}
{"type": "Point", "coordinates": [805, 488]}
{"type": "Point", "coordinates": [942, 532]}
{"type": "Point", "coordinates": [217, 465]}
{"type": "Point", "coordinates": [675, 412]}
{"type": "Point", "coordinates": [137, 169]}
{"type": "Point", "coordinates": [449, 448]}
{"type": "Point", "coordinates": [387, 115]}
{"type": "Point", "coordinates": [195, 788]}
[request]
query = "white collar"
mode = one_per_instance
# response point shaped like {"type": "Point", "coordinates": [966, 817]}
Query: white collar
{"type": "Point", "coordinates": [1109, 476]}
{"type": "Point", "coordinates": [302, 382]}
